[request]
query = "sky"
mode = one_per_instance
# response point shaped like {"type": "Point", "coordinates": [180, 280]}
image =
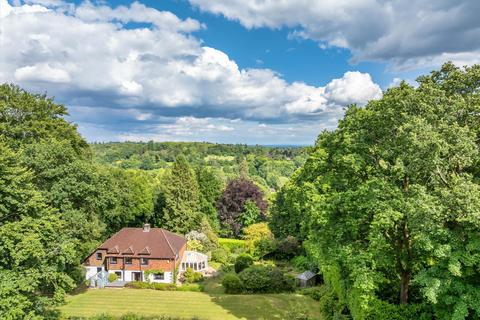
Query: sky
{"type": "Point", "coordinates": [274, 72]}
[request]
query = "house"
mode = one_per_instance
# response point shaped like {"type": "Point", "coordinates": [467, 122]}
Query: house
{"type": "Point", "coordinates": [142, 254]}
{"type": "Point", "coordinates": [306, 279]}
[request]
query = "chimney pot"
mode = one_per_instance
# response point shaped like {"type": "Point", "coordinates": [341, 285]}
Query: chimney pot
{"type": "Point", "coordinates": [146, 227]}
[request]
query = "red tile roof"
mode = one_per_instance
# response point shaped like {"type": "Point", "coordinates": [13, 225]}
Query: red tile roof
{"type": "Point", "coordinates": [135, 242]}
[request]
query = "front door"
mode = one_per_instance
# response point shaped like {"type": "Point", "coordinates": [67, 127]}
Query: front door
{"type": "Point", "coordinates": [137, 276]}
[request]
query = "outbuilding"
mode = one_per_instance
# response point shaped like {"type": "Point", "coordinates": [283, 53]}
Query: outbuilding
{"type": "Point", "coordinates": [306, 279]}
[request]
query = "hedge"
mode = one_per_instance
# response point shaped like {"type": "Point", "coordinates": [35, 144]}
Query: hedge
{"type": "Point", "coordinates": [233, 245]}
{"type": "Point", "coordinates": [163, 286]}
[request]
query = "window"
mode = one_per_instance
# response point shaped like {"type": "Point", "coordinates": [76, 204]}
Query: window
{"type": "Point", "coordinates": [183, 266]}
{"type": "Point", "coordinates": [144, 261]}
{"type": "Point", "coordinates": [99, 256]}
{"type": "Point", "coordinates": [113, 260]}
{"type": "Point", "coordinates": [128, 260]}
{"type": "Point", "coordinates": [119, 274]}
{"type": "Point", "coordinates": [159, 276]}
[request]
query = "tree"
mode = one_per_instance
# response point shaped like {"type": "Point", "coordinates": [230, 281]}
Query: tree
{"type": "Point", "coordinates": [210, 186]}
{"type": "Point", "coordinates": [392, 198]}
{"type": "Point", "coordinates": [27, 118]}
{"type": "Point", "coordinates": [231, 204]}
{"type": "Point", "coordinates": [181, 210]}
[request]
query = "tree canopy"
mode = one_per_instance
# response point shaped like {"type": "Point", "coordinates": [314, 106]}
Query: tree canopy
{"type": "Point", "coordinates": [391, 199]}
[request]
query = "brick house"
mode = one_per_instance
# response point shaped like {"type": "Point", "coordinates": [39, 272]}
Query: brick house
{"type": "Point", "coordinates": [131, 252]}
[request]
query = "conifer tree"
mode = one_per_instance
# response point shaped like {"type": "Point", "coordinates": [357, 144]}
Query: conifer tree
{"type": "Point", "coordinates": [181, 199]}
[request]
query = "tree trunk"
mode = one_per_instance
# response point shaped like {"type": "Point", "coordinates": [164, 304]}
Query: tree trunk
{"type": "Point", "coordinates": [404, 285]}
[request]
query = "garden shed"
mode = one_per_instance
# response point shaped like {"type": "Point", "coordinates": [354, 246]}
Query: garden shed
{"type": "Point", "coordinates": [306, 279]}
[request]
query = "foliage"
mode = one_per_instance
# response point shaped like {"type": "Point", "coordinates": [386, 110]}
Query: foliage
{"type": "Point", "coordinates": [390, 200]}
{"type": "Point", "coordinates": [181, 210]}
{"type": "Point", "coordinates": [268, 166]}
{"type": "Point", "coordinates": [148, 272]}
{"type": "Point", "coordinates": [199, 241]}
{"type": "Point", "coordinates": [35, 255]}
{"type": "Point", "coordinates": [232, 283]}
{"type": "Point", "coordinates": [242, 262]}
{"type": "Point", "coordinates": [233, 245]}
{"type": "Point", "coordinates": [250, 213]}
{"type": "Point", "coordinates": [27, 118]}
{"type": "Point", "coordinates": [265, 279]}
{"type": "Point", "coordinates": [221, 255]}
{"type": "Point", "coordinates": [191, 276]}
{"type": "Point", "coordinates": [303, 263]}
{"type": "Point", "coordinates": [231, 205]}
{"type": "Point", "coordinates": [259, 239]}
{"type": "Point", "coordinates": [151, 285]}
{"type": "Point", "coordinates": [316, 293]}
{"type": "Point", "coordinates": [210, 186]}
{"type": "Point", "coordinates": [112, 277]}
{"type": "Point", "coordinates": [288, 248]}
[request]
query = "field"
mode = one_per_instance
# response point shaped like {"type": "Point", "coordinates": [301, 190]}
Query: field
{"type": "Point", "coordinates": [186, 304]}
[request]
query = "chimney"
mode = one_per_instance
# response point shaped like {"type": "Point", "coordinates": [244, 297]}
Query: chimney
{"type": "Point", "coordinates": [146, 227]}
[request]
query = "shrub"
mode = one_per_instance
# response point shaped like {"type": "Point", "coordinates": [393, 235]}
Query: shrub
{"type": "Point", "coordinates": [112, 277]}
{"type": "Point", "coordinates": [233, 245]}
{"type": "Point", "coordinates": [191, 276]}
{"type": "Point", "coordinates": [315, 293]}
{"type": "Point", "coordinates": [302, 263]}
{"type": "Point", "coordinates": [232, 283]}
{"type": "Point", "coordinates": [266, 279]}
{"type": "Point", "coordinates": [138, 285]}
{"type": "Point", "coordinates": [195, 287]}
{"type": "Point", "coordinates": [220, 255]}
{"type": "Point", "coordinates": [242, 262]}
{"type": "Point", "coordinates": [152, 285]}
{"type": "Point", "coordinates": [383, 310]}
{"type": "Point", "coordinates": [288, 248]}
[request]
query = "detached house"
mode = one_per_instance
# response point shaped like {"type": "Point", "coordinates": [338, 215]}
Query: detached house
{"type": "Point", "coordinates": [143, 254]}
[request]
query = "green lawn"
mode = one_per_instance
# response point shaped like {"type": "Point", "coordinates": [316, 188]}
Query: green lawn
{"type": "Point", "coordinates": [186, 304]}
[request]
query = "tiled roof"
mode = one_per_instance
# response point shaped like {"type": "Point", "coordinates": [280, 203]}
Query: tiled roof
{"type": "Point", "coordinates": [155, 243]}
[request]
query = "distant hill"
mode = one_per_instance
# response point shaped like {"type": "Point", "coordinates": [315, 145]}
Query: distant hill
{"type": "Point", "coordinates": [269, 166]}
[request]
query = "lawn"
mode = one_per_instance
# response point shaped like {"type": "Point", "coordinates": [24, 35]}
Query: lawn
{"type": "Point", "coordinates": [186, 304]}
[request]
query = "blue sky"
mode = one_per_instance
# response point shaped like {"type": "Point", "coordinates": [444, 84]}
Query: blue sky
{"type": "Point", "coordinates": [238, 71]}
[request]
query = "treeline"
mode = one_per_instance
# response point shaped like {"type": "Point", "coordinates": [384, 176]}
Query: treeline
{"type": "Point", "coordinates": [388, 204]}
{"type": "Point", "coordinates": [270, 167]}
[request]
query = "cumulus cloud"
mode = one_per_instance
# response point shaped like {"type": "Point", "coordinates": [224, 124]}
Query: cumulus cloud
{"type": "Point", "coordinates": [404, 33]}
{"type": "Point", "coordinates": [110, 74]}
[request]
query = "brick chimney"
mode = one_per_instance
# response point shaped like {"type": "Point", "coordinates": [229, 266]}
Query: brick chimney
{"type": "Point", "coordinates": [146, 227]}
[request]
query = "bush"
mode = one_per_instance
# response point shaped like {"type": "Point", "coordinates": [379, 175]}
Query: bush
{"type": "Point", "coordinates": [288, 248]}
{"type": "Point", "coordinates": [233, 245]}
{"type": "Point", "coordinates": [242, 262]}
{"type": "Point", "coordinates": [191, 276]}
{"type": "Point", "coordinates": [315, 293]}
{"type": "Point", "coordinates": [298, 312]}
{"type": "Point", "coordinates": [379, 309]}
{"type": "Point", "coordinates": [266, 279]}
{"type": "Point", "coordinates": [195, 287]}
{"type": "Point", "coordinates": [221, 255]}
{"type": "Point", "coordinates": [302, 263]}
{"type": "Point", "coordinates": [232, 283]}
{"type": "Point", "coordinates": [112, 277]}
{"type": "Point", "coordinates": [152, 285]}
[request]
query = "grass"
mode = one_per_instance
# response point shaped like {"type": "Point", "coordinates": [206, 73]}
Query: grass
{"type": "Point", "coordinates": [186, 304]}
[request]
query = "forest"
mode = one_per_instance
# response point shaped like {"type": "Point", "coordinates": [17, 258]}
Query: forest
{"type": "Point", "coordinates": [385, 208]}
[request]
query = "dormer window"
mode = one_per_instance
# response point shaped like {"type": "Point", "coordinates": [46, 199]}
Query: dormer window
{"type": "Point", "coordinates": [99, 256]}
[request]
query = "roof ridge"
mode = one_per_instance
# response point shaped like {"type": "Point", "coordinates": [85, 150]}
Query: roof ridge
{"type": "Point", "coordinates": [168, 242]}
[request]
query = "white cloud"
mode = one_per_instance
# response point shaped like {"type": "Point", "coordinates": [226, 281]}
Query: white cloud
{"type": "Point", "coordinates": [404, 33]}
{"type": "Point", "coordinates": [152, 72]}
{"type": "Point", "coordinates": [42, 72]}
